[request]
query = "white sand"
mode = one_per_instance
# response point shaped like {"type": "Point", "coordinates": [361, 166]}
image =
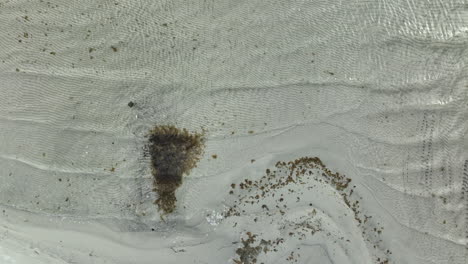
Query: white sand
{"type": "Point", "coordinates": [376, 89]}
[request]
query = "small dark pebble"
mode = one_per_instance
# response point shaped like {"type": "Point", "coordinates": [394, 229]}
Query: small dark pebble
{"type": "Point", "coordinates": [131, 104]}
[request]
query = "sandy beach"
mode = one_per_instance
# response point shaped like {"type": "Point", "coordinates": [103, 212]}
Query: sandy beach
{"type": "Point", "coordinates": [233, 132]}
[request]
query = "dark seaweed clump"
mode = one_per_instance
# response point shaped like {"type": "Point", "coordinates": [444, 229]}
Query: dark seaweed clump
{"type": "Point", "coordinates": [174, 152]}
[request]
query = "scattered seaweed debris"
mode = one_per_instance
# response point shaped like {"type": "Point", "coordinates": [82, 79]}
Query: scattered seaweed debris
{"type": "Point", "coordinates": [297, 172]}
{"type": "Point", "coordinates": [247, 253]}
{"type": "Point", "coordinates": [174, 152]}
{"type": "Point", "coordinates": [272, 198]}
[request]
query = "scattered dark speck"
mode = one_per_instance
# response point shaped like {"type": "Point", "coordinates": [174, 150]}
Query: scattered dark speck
{"type": "Point", "coordinates": [131, 104]}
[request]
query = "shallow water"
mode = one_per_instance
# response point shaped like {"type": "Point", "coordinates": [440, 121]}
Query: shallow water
{"type": "Point", "coordinates": [376, 90]}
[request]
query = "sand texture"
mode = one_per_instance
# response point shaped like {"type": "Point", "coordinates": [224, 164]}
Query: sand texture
{"type": "Point", "coordinates": [275, 132]}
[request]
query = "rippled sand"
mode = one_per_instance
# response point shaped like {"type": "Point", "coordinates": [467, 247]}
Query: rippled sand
{"type": "Point", "coordinates": [332, 131]}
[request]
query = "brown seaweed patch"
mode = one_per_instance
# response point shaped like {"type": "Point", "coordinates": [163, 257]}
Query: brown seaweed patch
{"type": "Point", "coordinates": [174, 152]}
